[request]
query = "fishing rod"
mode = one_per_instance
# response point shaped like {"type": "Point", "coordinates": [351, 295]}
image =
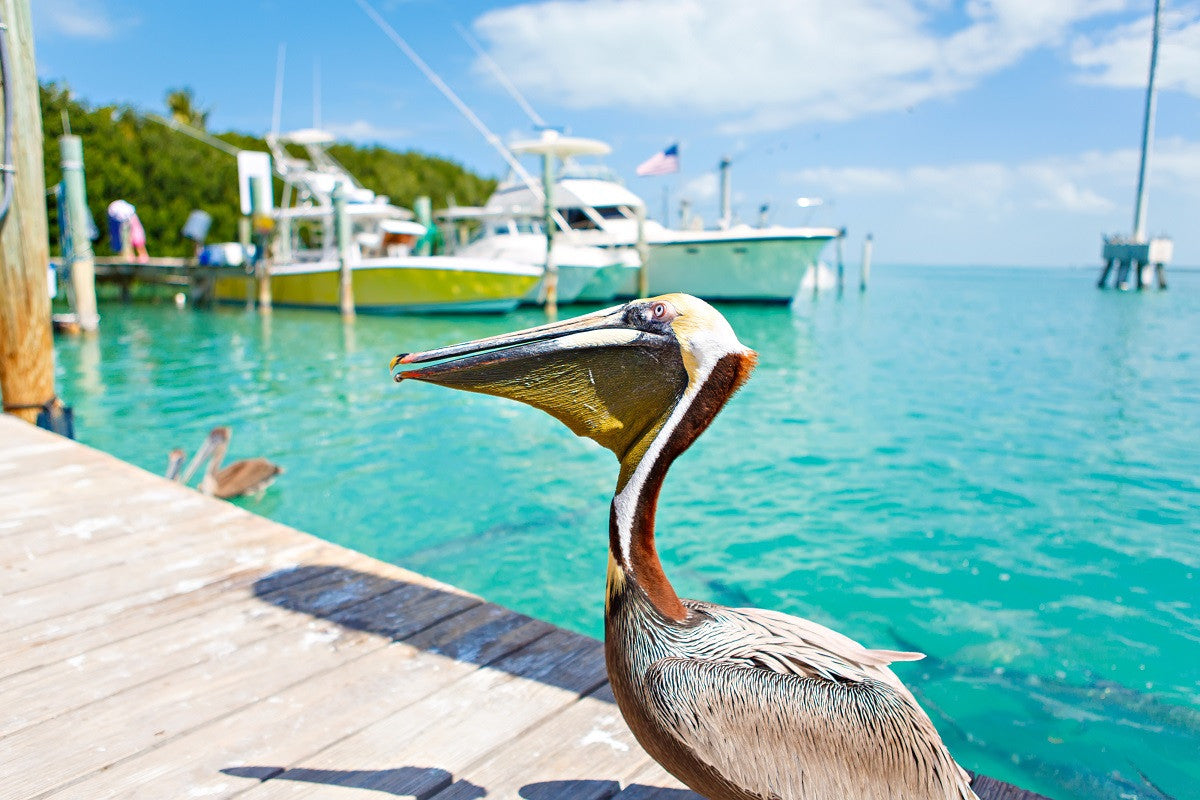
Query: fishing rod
{"type": "Point", "coordinates": [196, 133]}
{"type": "Point", "coordinates": [501, 76]}
{"type": "Point", "coordinates": [449, 94]}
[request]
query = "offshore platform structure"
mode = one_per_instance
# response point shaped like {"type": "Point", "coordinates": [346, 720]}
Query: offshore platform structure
{"type": "Point", "coordinates": [1136, 253]}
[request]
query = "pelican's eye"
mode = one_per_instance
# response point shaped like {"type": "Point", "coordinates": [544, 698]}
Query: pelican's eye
{"type": "Point", "coordinates": [662, 312]}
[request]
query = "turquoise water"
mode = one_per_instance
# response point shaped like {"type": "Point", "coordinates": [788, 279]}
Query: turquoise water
{"type": "Point", "coordinates": [1000, 468]}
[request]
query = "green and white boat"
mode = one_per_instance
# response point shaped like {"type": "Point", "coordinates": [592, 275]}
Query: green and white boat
{"type": "Point", "coordinates": [388, 273]}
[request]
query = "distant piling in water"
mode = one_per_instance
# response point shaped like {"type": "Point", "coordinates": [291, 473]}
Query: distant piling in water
{"type": "Point", "coordinates": [643, 251]}
{"type": "Point", "coordinates": [82, 259]}
{"type": "Point", "coordinates": [343, 240]}
{"type": "Point", "coordinates": [864, 270]}
{"type": "Point", "coordinates": [262, 223]}
{"type": "Point", "coordinates": [841, 264]}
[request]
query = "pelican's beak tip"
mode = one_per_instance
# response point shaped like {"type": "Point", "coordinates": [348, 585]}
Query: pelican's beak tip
{"type": "Point", "coordinates": [397, 361]}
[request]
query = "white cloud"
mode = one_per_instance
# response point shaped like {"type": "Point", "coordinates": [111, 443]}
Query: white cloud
{"type": "Point", "coordinates": [83, 19]}
{"type": "Point", "coordinates": [703, 187]}
{"type": "Point", "coordinates": [360, 130]}
{"type": "Point", "coordinates": [1091, 183]}
{"type": "Point", "coordinates": [767, 64]}
{"type": "Point", "coordinates": [1121, 57]}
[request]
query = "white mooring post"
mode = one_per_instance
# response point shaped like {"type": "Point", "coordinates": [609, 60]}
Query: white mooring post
{"type": "Point", "coordinates": [344, 241]}
{"type": "Point", "coordinates": [83, 265]}
{"type": "Point", "coordinates": [550, 278]}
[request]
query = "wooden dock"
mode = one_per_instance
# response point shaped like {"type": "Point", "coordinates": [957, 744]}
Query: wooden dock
{"type": "Point", "coordinates": [156, 643]}
{"type": "Point", "coordinates": [186, 274]}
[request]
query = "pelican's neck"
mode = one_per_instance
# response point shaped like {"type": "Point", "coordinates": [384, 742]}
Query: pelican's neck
{"type": "Point", "coordinates": [209, 484]}
{"type": "Point", "coordinates": [218, 455]}
{"type": "Point", "coordinates": [631, 518]}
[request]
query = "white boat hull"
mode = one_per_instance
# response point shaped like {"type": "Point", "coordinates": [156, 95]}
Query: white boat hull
{"type": "Point", "coordinates": [759, 269]}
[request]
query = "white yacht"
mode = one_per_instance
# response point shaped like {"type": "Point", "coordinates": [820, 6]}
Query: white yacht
{"type": "Point", "coordinates": [736, 262]}
{"type": "Point", "coordinates": [585, 273]}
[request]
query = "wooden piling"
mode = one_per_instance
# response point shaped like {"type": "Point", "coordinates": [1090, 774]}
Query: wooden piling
{"type": "Point", "coordinates": [244, 241]}
{"type": "Point", "coordinates": [26, 341]}
{"type": "Point", "coordinates": [1103, 282]}
{"type": "Point", "coordinates": [841, 267]}
{"type": "Point", "coordinates": [83, 267]}
{"type": "Point", "coordinates": [343, 240]}
{"type": "Point", "coordinates": [643, 251]}
{"type": "Point", "coordinates": [260, 209]}
{"type": "Point", "coordinates": [550, 277]}
{"type": "Point", "coordinates": [1123, 274]}
{"type": "Point", "coordinates": [864, 272]}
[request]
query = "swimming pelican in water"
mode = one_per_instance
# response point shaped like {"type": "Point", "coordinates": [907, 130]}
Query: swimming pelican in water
{"type": "Point", "coordinates": [738, 703]}
{"type": "Point", "coordinates": [247, 476]}
{"type": "Point", "coordinates": [175, 461]}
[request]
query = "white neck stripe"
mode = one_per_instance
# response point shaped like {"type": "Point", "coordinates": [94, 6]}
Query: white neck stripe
{"type": "Point", "coordinates": [626, 500]}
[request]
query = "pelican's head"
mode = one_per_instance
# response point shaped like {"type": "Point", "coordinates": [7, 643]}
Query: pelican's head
{"type": "Point", "coordinates": [614, 376]}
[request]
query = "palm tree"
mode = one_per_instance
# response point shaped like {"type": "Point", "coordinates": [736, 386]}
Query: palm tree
{"type": "Point", "coordinates": [182, 105]}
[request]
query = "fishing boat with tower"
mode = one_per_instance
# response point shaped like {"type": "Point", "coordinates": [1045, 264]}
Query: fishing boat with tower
{"type": "Point", "coordinates": [329, 224]}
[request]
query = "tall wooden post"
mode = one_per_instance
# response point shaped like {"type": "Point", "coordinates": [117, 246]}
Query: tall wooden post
{"type": "Point", "coordinates": [643, 251]}
{"type": "Point", "coordinates": [244, 241]}
{"type": "Point", "coordinates": [550, 278]}
{"type": "Point", "coordinates": [26, 342]}
{"type": "Point", "coordinates": [83, 266]}
{"type": "Point", "coordinates": [342, 238]}
{"type": "Point", "coordinates": [841, 265]}
{"type": "Point", "coordinates": [260, 209]}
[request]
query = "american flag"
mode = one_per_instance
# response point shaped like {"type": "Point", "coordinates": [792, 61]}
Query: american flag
{"type": "Point", "coordinates": [663, 163]}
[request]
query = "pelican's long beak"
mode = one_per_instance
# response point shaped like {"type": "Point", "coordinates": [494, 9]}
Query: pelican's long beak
{"type": "Point", "coordinates": [601, 374]}
{"type": "Point", "coordinates": [528, 341]}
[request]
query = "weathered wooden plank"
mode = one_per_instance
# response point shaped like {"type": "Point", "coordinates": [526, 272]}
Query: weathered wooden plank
{"type": "Point", "coordinates": [55, 753]}
{"type": "Point", "coordinates": [484, 633]}
{"type": "Point", "coordinates": [228, 544]}
{"type": "Point", "coordinates": [586, 752]}
{"type": "Point", "coordinates": [44, 693]}
{"type": "Point", "coordinates": [57, 525]}
{"type": "Point", "coordinates": [655, 783]}
{"type": "Point", "coordinates": [413, 751]}
{"type": "Point", "coordinates": [180, 531]}
{"type": "Point", "coordinates": [189, 593]}
{"type": "Point", "coordinates": [266, 737]}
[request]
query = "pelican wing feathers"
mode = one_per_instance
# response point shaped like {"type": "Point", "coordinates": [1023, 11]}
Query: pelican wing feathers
{"type": "Point", "coordinates": [811, 737]}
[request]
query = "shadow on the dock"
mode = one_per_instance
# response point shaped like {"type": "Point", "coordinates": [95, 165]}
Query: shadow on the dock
{"type": "Point", "coordinates": [429, 781]}
{"type": "Point", "coordinates": [469, 630]}
{"type": "Point", "coordinates": [443, 622]}
{"type": "Point", "coordinates": [600, 790]}
{"type": "Point", "coordinates": [401, 781]}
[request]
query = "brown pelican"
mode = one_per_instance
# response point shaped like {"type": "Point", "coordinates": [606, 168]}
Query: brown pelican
{"type": "Point", "coordinates": [738, 703]}
{"type": "Point", "coordinates": [174, 463]}
{"type": "Point", "coordinates": [248, 476]}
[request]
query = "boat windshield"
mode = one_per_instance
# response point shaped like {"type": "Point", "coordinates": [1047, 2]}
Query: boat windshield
{"type": "Point", "coordinates": [572, 170]}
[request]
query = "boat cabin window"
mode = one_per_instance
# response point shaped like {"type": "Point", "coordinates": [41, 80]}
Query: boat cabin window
{"type": "Point", "coordinates": [576, 219]}
{"type": "Point", "coordinates": [614, 212]}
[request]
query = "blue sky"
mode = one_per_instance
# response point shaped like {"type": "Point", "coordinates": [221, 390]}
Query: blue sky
{"type": "Point", "coordinates": [985, 132]}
